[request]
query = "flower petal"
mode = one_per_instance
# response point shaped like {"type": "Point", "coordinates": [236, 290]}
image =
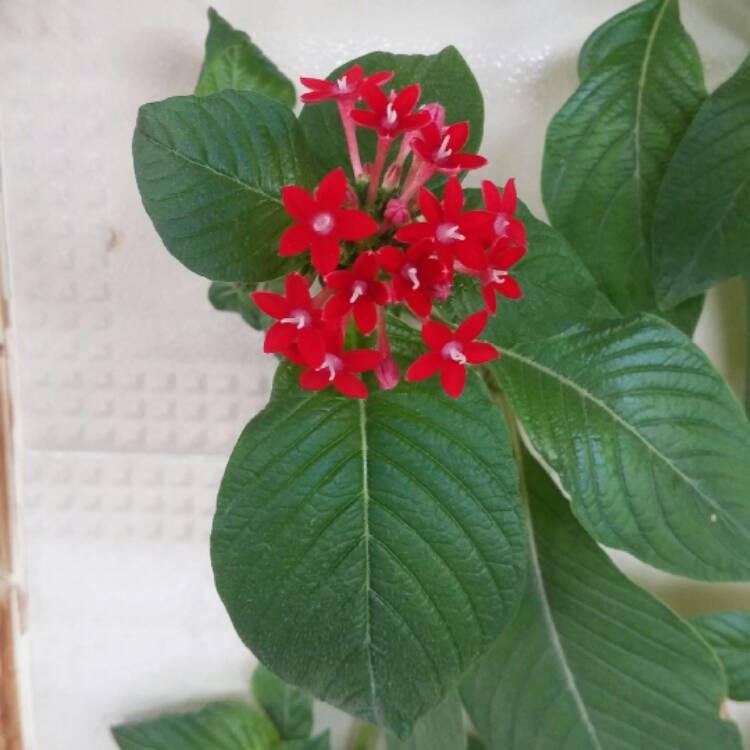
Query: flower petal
{"type": "Point", "coordinates": [490, 301]}
{"type": "Point", "coordinates": [297, 291]}
{"type": "Point", "coordinates": [419, 230]}
{"type": "Point", "coordinates": [297, 202]}
{"type": "Point", "coordinates": [509, 288]}
{"type": "Point", "coordinates": [311, 346]}
{"type": "Point", "coordinates": [366, 266]}
{"type": "Point", "coordinates": [472, 327]}
{"type": "Point", "coordinates": [375, 99]}
{"type": "Point", "coordinates": [337, 306]}
{"type": "Point", "coordinates": [406, 99]}
{"type": "Point", "coordinates": [271, 304]}
{"type": "Point", "coordinates": [478, 352]}
{"type": "Point", "coordinates": [436, 334]}
{"type": "Point", "coordinates": [331, 193]}
{"type": "Point", "coordinates": [350, 385]}
{"type": "Point", "coordinates": [510, 198]}
{"type": "Point", "coordinates": [354, 225]}
{"type": "Point", "coordinates": [279, 338]}
{"type": "Point", "coordinates": [453, 200]}
{"type": "Point", "coordinates": [458, 134]}
{"type": "Point", "coordinates": [419, 301]}
{"type": "Point", "coordinates": [365, 315]}
{"type": "Point", "coordinates": [325, 254]}
{"type": "Point", "coordinates": [430, 206]}
{"type": "Point", "coordinates": [469, 161]}
{"type": "Point", "coordinates": [340, 279]}
{"type": "Point", "coordinates": [295, 240]}
{"type": "Point", "coordinates": [453, 378]}
{"type": "Point", "coordinates": [491, 195]}
{"type": "Point", "coordinates": [424, 366]}
{"type": "Point", "coordinates": [391, 258]}
{"type": "Point", "coordinates": [314, 380]}
{"type": "Point", "coordinates": [361, 360]}
{"type": "Point", "coordinates": [377, 291]}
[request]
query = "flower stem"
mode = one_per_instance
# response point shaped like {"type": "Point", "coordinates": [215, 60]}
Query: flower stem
{"type": "Point", "coordinates": [350, 133]}
{"type": "Point", "coordinates": [384, 146]}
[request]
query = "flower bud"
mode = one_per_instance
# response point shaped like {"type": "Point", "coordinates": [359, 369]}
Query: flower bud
{"type": "Point", "coordinates": [396, 212]}
{"type": "Point", "coordinates": [387, 374]}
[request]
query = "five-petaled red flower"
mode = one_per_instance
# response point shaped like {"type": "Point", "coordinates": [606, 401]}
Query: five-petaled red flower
{"type": "Point", "coordinates": [347, 86]}
{"type": "Point", "coordinates": [322, 222]}
{"type": "Point", "coordinates": [357, 290]}
{"type": "Point", "coordinates": [391, 115]}
{"type": "Point", "coordinates": [299, 322]}
{"type": "Point", "coordinates": [441, 148]}
{"type": "Point", "coordinates": [416, 275]}
{"type": "Point", "coordinates": [451, 351]}
{"type": "Point", "coordinates": [339, 368]}
{"type": "Point", "coordinates": [494, 275]}
{"type": "Point", "coordinates": [500, 209]}
{"type": "Point", "coordinates": [451, 232]}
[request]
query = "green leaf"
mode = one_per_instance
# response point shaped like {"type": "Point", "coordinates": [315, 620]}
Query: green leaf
{"type": "Point", "coordinates": [728, 633]}
{"type": "Point", "coordinates": [559, 291]}
{"type": "Point", "coordinates": [647, 438]}
{"type": "Point", "coordinates": [702, 221]}
{"type": "Point", "coordinates": [290, 708]}
{"type": "Point", "coordinates": [444, 77]}
{"type": "Point", "coordinates": [232, 61]}
{"type": "Point", "coordinates": [219, 726]}
{"type": "Point", "coordinates": [607, 149]}
{"type": "Point", "coordinates": [369, 551]}
{"type": "Point", "coordinates": [747, 344]}
{"type": "Point", "coordinates": [210, 171]}
{"type": "Point", "coordinates": [442, 728]}
{"type": "Point", "coordinates": [230, 296]}
{"type": "Point", "coordinates": [321, 742]}
{"type": "Point", "coordinates": [592, 662]}
{"type": "Point", "coordinates": [474, 743]}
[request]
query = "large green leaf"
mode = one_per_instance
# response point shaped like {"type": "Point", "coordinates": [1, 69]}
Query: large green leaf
{"type": "Point", "coordinates": [444, 77]}
{"type": "Point", "coordinates": [290, 708]}
{"type": "Point", "coordinates": [702, 220]}
{"type": "Point", "coordinates": [232, 61]}
{"type": "Point", "coordinates": [210, 171]}
{"type": "Point", "coordinates": [747, 344]}
{"type": "Point", "coordinates": [219, 726]}
{"type": "Point", "coordinates": [320, 742]}
{"type": "Point", "coordinates": [728, 633]}
{"type": "Point", "coordinates": [559, 291]}
{"type": "Point", "coordinates": [592, 662]}
{"type": "Point", "coordinates": [442, 728]}
{"type": "Point", "coordinates": [609, 146]}
{"type": "Point", "coordinates": [649, 442]}
{"type": "Point", "coordinates": [369, 551]}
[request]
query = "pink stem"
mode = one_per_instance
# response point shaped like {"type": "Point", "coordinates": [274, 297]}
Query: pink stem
{"type": "Point", "coordinates": [414, 181]}
{"type": "Point", "coordinates": [384, 146]}
{"type": "Point", "coordinates": [383, 344]}
{"type": "Point", "coordinates": [350, 133]}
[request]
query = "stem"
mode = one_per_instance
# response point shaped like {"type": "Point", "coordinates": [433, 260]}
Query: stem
{"type": "Point", "coordinates": [362, 737]}
{"type": "Point", "coordinates": [423, 173]}
{"type": "Point", "coordinates": [384, 146]}
{"type": "Point", "coordinates": [350, 133]}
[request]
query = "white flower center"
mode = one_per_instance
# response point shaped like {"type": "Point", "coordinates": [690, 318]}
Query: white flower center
{"type": "Point", "coordinates": [343, 85]}
{"type": "Point", "coordinates": [455, 351]}
{"type": "Point", "coordinates": [299, 318]}
{"type": "Point", "coordinates": [443, 152]}
{"type": "Point", "coordinates": [391, 116]}
{"type": "Point", "coordinates": [446, 233]}
{"type": "Point", "coordinates": [498, 276]}
{"type": "Point", "coordinates": [322, 223]}
{"type": "Point", "coordinates": [500, 225]}
{"type": "Point", "coordinates": [410, 273]}
{"type": "Point", "coordinates": [332, 363]}
{"type": "Point", "coordinates": [358, 289]}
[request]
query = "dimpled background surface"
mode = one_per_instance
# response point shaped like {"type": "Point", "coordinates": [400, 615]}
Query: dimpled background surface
{"type": "Point", "coordinates": [130, 390]}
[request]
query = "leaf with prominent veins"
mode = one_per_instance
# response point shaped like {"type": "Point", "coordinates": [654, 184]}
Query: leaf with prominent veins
{"type": "Point", "coordinates": [592, 662]}
{"type": "Point", "coordinates": [369, 551]}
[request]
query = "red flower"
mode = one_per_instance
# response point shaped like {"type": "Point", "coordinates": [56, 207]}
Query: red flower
{"type": "Point", "coordinates": [299, 323]}
{"type": "Point", "coordinates": [445, 226]}
{"type": "Point", "coordinates": [322, 222]}
{"type": "Point", "coordinates": [451, 352]}
{"type": "Point", "coordinates": [494, 275]}
{"type": "Point", "coordinates": [337, 367]}
{"type": "Point", "coordinates": [347, 86]}
{"type": "Point", "coordinates": [359, 291]}
{"type": "Point", "coordinates": [440, 147]}
{"type": "Point", "coordinates": [416, 276]}
{"type": "Point", "coordinates": [500, 221]}
{"type": "Point", "coordinates": [391, 116]}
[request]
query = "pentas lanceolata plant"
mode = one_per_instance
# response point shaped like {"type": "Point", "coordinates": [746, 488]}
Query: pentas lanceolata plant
{"type": "Point", "coordinates": [386, 240]}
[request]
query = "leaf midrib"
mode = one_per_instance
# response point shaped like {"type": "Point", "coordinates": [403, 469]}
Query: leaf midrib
{"type": "Point", "coordinates": [587, 395]}
{"type": "Point", "coordinates": [203, 165]}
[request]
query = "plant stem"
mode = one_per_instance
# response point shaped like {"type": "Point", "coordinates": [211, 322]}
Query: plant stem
{"type": "Point", "coordinates": [362, 737]}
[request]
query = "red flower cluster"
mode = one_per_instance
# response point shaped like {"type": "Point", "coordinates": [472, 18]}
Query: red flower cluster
{"type": "Point", "coordinates": [388, 240]}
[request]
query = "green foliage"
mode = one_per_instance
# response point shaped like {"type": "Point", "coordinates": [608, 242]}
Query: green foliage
{"type": "Point", "coordinates": [369, 551]}
{"type": "Point", "coordinates": [592, 662]}
{"type": "Point", "coordinates": [444, 77]}
{"type": "Point", "coordinates": [290, 708]}
{"type": "Point", "coordinates": [609, 146]}
{"type": "Point", "coordinates": [728, 633]}
{"type": "Point", "coordinates": [210, 171]}
{"type": "Point", "coordinates": [219, 726]}
{"type": "Point", "coordinates": [232, 61]}
{"type": "Point", "coordinates": [702, 222]}
{"type": "Point", "coordinates": [442, 728]}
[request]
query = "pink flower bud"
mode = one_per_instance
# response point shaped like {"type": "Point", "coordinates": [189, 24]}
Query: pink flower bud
{"type": "Point", "coordinates": [352, 199]}
{"type": "Point", "coordinates": [387, 374]}
{"type": "Point", "coordinates": [396, 212]}
{"type": "Point", "coordinates": [442, 291]}
{"type": "Point", "coordinates": [392, 177]}
{"type": "Point", "coordinates": [437, 112]}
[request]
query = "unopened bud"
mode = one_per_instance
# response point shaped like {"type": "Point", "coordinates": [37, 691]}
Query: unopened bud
{"type": "Point", "coordinates": [387, 374]}
{"type": "Point", "coordinates": [396, 212]}
{"type": "Point", "coordinates": [392, 177]}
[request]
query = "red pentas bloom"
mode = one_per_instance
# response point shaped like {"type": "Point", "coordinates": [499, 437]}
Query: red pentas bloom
{"type": "Point", "coordinates": [357, 290]}
{"type": "Point", "coordinates": [384, 241]}
{"type": "Point", "coordinates": [322, 223]}
{"type": "Point", "coordinates": [451, 351]}
{"type": "Point", "coordinates": [299, 322]}
{"type": "Point", "coordinates": [347, 86]}
{"type": "Point", "coordinates": [445, 226]}
{"type": "Point", "coordinates": [339, 368]}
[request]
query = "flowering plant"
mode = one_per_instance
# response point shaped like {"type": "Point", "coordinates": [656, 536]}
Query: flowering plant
{"type": "Point", "coordinates": [469, 400]}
